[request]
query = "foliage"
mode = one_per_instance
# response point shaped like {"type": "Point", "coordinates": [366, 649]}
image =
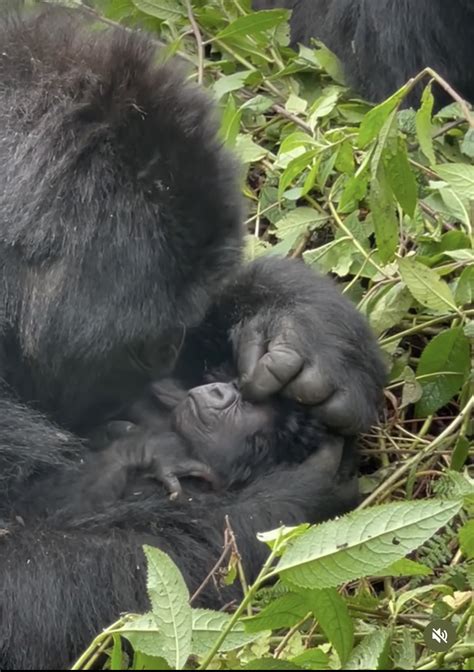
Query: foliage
{"type": "Point", "coordinates": [382, 198]}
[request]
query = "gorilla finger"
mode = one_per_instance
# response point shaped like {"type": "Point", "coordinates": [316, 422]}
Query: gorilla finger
{"type": "Point", "coordinates": [311, 387]}
{"type": "Point", "coordinates": [197, 469]}
{"type": "Point", "coordinates": [345, 411]}
{"type": "Point", "coordinates": [327, 459]}
{"type": "Point", "coordinates": [250, 349]}
{"type": "Point", "coordinates": [273, 371]}
{"type": "Point", "coordinates": [171, 483]}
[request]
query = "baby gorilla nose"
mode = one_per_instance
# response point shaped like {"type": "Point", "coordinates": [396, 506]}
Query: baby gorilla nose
{"type": "Point", "coordinates": [216, 395]}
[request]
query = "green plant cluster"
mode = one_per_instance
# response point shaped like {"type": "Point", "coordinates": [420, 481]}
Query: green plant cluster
{"type": "Point", "coordinates": [382, 198]}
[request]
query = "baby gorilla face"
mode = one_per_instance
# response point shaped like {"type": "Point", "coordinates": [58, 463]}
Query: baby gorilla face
{"type": "Point", "coordinates": [230, 434]}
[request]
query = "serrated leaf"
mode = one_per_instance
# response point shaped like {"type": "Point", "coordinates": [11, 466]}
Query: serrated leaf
{"type": "Point", "coordinates": [424, 127]}
{"type": "Point", "coordinates": [372, 652]}
{"type": "Point", "coordinates": [361, 543]}
{"type": "Point", "coordinates": [384, 217]}
{"type": "Point", "coordinates": [405, 652]}
{"type": "Point", "coordinates": [426, 286]}
{"type": "Point", "coordinates": [405, 567]}
{"type": "Point", "coordinates": [391, 308]}
{"type": "Point", "coordinates": [299, 220]}
{"type": "Point", "coordinates": [284, 612]}
{"type": "Point", "coordinates": [375, 119]}
{"type": "Point", "coordinates": [400, 176]}
{"type": "Point", "coordinates": [443, 367]}
{"type": "Point", "coordinates": [144, 634]}
{"type": "Point", "coordinates": [161, 9]}
{"type": "Point", "coordinates": [208, 625]}
{"type": "Point", "coordinates": [253, 23]}
{"type": "Point", "coordinates": [460, 177]}
{"type": "Point", "coordinates": [331, 611]}
{"type": "Point", "coordinates": [466, 539]}
{"type": "Point", "coordinates": [171, 617]}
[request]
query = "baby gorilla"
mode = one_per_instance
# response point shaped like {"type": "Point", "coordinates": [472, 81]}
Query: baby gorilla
{"type": "Point", "coordinates": [208, 432]}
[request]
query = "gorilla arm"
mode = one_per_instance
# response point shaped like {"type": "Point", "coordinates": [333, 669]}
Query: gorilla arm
{"type": "Point", "coordinates": [291, 330]}
{"type": "Point", "coordinates": [85, 572]}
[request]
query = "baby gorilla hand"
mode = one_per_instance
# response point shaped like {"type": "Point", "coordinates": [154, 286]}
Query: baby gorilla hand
{"type": "Point", "coordinates": [164, 457]}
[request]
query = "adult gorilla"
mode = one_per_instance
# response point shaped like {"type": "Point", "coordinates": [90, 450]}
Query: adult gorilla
{"type": "Point", "coordinates": [382, 43]}
{"type": "Point", "coordinates": [120, 231]}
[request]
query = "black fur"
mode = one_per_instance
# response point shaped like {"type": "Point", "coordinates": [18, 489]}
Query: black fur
{"type": "Point", "coordinates": [383, 43]}
{"type": "Point", "coordinates": [120, 225]}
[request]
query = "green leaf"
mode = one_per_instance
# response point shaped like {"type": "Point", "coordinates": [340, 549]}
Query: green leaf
{"type": "Point", "coordinates": [362, 542]}
{"type": "Point", "coordinates": [405, 652]}
{"type": "Point", "coordinates": [270, 664]}
{"type": "Point", "coordinates": [295, 167]}
{"type": "Point", "coordinates": [331, 611]}
{"type": "Point", "coordinates": [313, 659]}
{"type": "Point", "coordinates": [443, 367]}
{"type": "Point", "coordinates": [171, 616]}
{"type": "Point", "coordinates": [464, 292]}
{"type": "Point", "coordinates": [391, 308]}
{"type": "Point", "coordinates": [375, 119]}
{"type": "Point", "coordinates": [161, 9]}
{"type": "Point", "coordinates": [400, 175]}
{"type": "Point", "coordinates": [230, 83]}
{"type": "Point", "coordinates": [345, 159]}
{"type": "Point", "coordinates": [299, 220]}
{"type": "Point", "coordinates": [145, 636]}
{"type": "Point", "coordinates": [426, 286]}
{"type": "Point", "coordinates": [384, 217]}
{"type": "Point", "coordinates": [467, 145]}
{"type": "Point", "coordinates": [372, 652]}
{"type": "Point", "coordinates": [460, 177]}
{"type": "Point", "coordinates": [466, 539]}
{"type": "Point", "coordinates": [208, 625]}
{"type": "Point", "coordinates": [424, 127]}
{"type": "Point", "coordinates": [247, 150]}
{"type": "Point", "coordinates": [405, 567]}
{"type": "Point", "coordinates": [230, 122]}
{"type": "Point", "coordinates": [284, 612]}
{"type": "Point", "coordinates": [460, 453]}
{"type": "Point", "coordinates": [252, 24]}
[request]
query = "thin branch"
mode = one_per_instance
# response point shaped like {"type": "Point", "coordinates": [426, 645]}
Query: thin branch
{"type": "Point", "coordinates": [199, 43]}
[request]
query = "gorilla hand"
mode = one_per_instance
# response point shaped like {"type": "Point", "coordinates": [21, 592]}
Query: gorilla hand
{"type": "Point", "coordinates": [163, 457]}
{"type": "Point", "coordinates": [313, 346]}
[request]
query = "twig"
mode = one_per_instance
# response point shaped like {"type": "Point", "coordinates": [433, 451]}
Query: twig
{"type": "Point", "coordinates": [281, 646]}
{"type": "Point", "coordinates": [199, 44]}
{"type": "Point", "coordinates": [426, 450]}
{"type": "Point", "coordinates": [217, 566]}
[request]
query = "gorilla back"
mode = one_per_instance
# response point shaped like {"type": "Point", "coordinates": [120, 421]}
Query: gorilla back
{"type": "Point", "coordinates": [383, 43]}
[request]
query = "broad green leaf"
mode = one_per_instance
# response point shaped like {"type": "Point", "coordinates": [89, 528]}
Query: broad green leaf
{"type": "Point", "coordinates": [375, 119]}
{"type": "Point", "coordinates": [400, 175]}
{"type": "Point", "coordinates": [424, 127]}
{"type": "Point", "coordinates": [330, 63]}
{"type": "Point", "coordinates": [295, 167]}
{"type": "Point", "coordinates": [345, 159]}
{"type": "Point", "coordinates": [145, 635]}
{"type": "Point", "coordinates": [252, 24]}
{"type": "Point", "coordinates": [299, 220]}
{"type": "Point", "coordinates": [313, 659]}
{"type": "Point", "coordinates": [247, 150]}
{"type": "Point", "coordinates": [284, 612]}
{"type": "Point", "coordinates": [467, 145]}
{"type": "Point", "coordinates": [384, 217]}
{"type": "Point", "coordinates": [372, 652]}
{"type": "Point", "coordinates": [330, 609]}
{"type": "Point", "coordinates": [391, 308]}
{"type": "Point", "coordinates": [230, 83]}
{"type": "Point", "coordinates": [208, 625]}
{"type": "Point", "coordinates": [171, 617]}
{"type": "Point", "coordinates": [409, 595]}
{"type": "Point", "coordinates": [412, 390]}
{"type": "Point", "coordinates": [426, 286]}
{"type": "Point", "coordinates": [354, 191]}
{"type": "Point", "coordinates": [406, 567]}
{"type": "Point", "coordinates": [460, 177]}
{"type": "Point", "coordinates": [254, 247]}
{"type": "Point", "coordinates": [460, 453]}
{"type": "Point", "coordinates": [443, 367]}
{"type": "Point", "coordinates": [466, 539]}
{"type": "Point", "coordinates": [362, 543]}
{"type": "Point", "coordinates": [230, 122]}
{"type": "Point", "coordinates": [161, 9]}
{"type": "Point", "coordinates": [296, 104]}
{"type": "Point", "coordinates": [464, 292]}
{"type": "Point", "coordinates": [324, 105]}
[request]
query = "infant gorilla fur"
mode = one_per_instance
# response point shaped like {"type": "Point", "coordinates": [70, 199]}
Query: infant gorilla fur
{"type": "Point", "coordinates": [120, 231]}
{"type": "Point", "coordinates": [209, 432]}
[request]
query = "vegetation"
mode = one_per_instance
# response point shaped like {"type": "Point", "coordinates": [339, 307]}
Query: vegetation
{"type": "Point", "coordinates": [382, 198]}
